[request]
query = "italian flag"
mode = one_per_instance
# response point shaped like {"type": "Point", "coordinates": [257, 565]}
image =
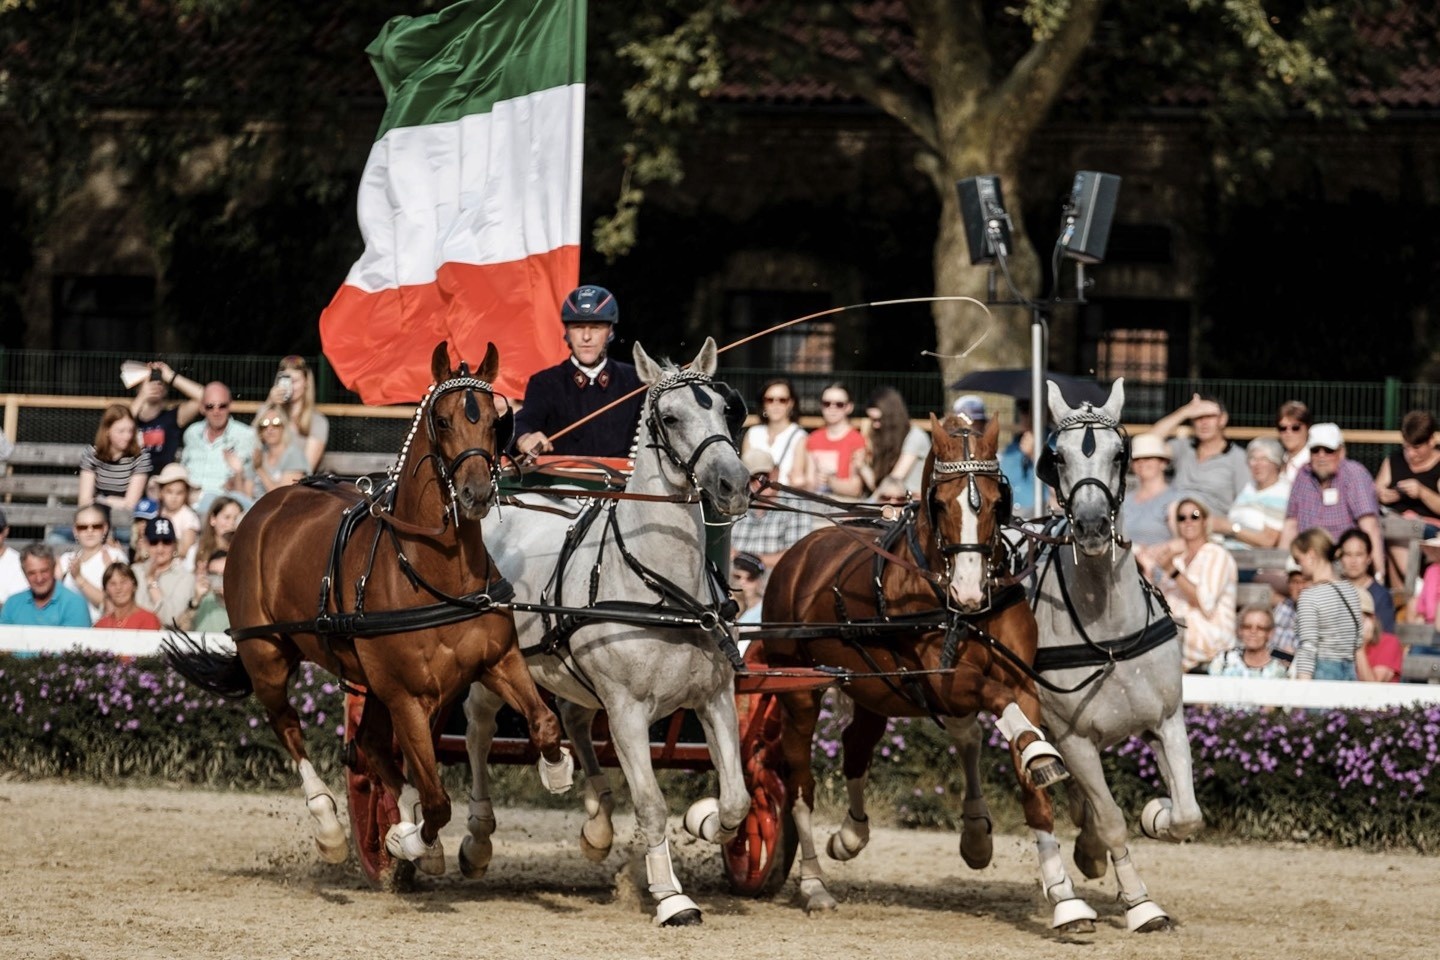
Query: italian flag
{"type": "Point", "coordinates": [470, 200]}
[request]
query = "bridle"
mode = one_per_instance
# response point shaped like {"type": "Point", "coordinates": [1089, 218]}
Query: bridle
{"type": "Point", "coordinates": [706, 393]}
{"type": "Point", "coordinates": [1086, 418]}
{"type": "Point", "coordinates": [967, 469]}
{"type": "Point", "coordinates": [445, 471]}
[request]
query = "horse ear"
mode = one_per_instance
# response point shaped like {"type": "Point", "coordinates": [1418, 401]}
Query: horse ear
{"type": "Point", "coordinates": [1116, 403]}
{"type": "Point", "coordinates": [992, 436]}
{"type": "Point", "coordinates": [648, 369]}
{"type": "Point", "coordinates": [704, 361]}
{"type": "Point", "coordinates": [490, 366]}
{"type": "Point", "coordinates": [940, 439]}
{"type": "Point", "coordinates": [1059, 409]}
{"type": "Point", "coordinates": [440, 362]}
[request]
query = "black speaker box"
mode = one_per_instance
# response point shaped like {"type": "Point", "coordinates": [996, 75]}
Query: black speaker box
{"type": "Point", "coordinates": [981, 204]}
{"type": "Point", "coordinates": [1091, 211]}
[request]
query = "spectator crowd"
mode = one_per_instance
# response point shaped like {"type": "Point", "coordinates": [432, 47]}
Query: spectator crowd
{"type": "Point", "coordinates": [185, 471]}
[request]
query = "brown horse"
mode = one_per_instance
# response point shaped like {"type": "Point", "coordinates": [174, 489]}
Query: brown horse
{"type": "Point", "coordinates": [405, 589]}
{"type": "Point", "coordinates": [915, 601]}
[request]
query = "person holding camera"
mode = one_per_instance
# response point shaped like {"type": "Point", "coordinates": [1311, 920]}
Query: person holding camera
{"type": "Point", "coordinates": [205, 612]}
{"type": "Point", "coordinates": [216, 450]}
{"type": "Point", "coordinates": [159, 426]}
{"type": "Point", "coordinates": [294, 392]}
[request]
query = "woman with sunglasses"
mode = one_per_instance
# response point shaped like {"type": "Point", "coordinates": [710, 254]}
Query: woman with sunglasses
{"type": "Point", "coordinates": [1292, 424]}
{"type": "Point", "coordinates": [779, 435]}
{"type": "Point", "coordinates": [1200, 583]}
{"type": "Point", "coordinates": [834, 448]}
{"type": "Point", "coordinates": [294, 392]}
{"type": "Point", "coordinates": [278, 460]}
{"type": "Point", "coordinates": [83, 569]}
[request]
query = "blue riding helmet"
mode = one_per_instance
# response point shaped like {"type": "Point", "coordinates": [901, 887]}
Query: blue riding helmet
{"type": "Point", "coordinates": [590, 304]}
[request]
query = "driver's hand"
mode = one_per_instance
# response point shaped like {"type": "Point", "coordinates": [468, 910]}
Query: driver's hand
{"type": "Point", "coordinates": [534, 444]}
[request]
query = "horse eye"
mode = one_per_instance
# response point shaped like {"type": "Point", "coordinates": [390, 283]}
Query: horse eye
{"type": "Point", "coordinates": [669, 420]}
{"type": "Point", "coordinates": [443, 423]}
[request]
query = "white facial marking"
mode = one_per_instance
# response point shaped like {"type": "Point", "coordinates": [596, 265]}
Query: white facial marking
{"type": "Point", "coordinates": [967, 568]}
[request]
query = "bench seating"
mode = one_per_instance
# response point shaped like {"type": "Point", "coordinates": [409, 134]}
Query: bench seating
{"type": "Point", "coordinates": [41, 482]}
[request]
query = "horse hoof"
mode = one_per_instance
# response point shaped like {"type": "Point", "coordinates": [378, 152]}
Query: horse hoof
{"type": "Point", "coordinates": [1155, 818]}
{"type": "Point", "coordinates": [977, 855]}
{"type": "Point", "coordinates": [332, 853]}
{"type": "Point", "coordinates": [1046, 772]}
{"type": "Point", "coordinates": [476, 865]}
{"type": "Point", "coordinates": [1073, 915]}
{"type": "Point", "coordinates": [677, 910]}
{"type": "Point", "coordinates": [702, 815]}
{"type": "Point", "coordinates": [820, 903]}
{"type": "Point", "coordinates": [400, 878]}
{"type": "Point", "coordinates": [685, 918]}
{"type": "Point", "coordinates": [1147, 916]}
{"type": "Point", "coordinates": [1075, 927]}
{"type": "Point", "coordinates": [593, 853]}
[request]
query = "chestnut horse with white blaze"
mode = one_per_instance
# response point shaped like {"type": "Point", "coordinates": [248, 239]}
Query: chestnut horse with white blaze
{"type": "Point", "coordinates": [914, 618]}
{"type": "Point", "coordinates": [406, 607]}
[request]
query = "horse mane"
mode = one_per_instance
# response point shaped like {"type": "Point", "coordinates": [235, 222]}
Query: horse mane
{"type": "Point", "coordinates": [667, 367]}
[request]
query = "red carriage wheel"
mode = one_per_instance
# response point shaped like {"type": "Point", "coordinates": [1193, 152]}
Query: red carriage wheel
{"type": "Point", "coordinates": [759, 859]}
{"type": "Point", "coordinates": [372, 810]}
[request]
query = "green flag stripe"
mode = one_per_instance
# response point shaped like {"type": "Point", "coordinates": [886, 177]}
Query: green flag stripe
{"type": "Point", "coordinates": [464, 59]}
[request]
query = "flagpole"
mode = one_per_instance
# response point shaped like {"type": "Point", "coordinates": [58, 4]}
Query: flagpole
{"type": "Point", "coordinates": [765, 333]}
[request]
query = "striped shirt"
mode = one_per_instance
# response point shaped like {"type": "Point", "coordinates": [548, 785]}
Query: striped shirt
{"type": "Point", "coordinates": [1327, 625]}
{"type": "Point", "coordinates": [113, 479]}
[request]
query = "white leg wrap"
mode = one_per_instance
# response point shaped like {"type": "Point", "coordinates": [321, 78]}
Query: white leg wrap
{"type": "Point", "coordinates": [409, 805]}
{"type": "Point", "coordinates": [665, 886]}
{"type": "Point", "coordinates": [403, 842]}
{"type": "Point", "coordinates": [1059, 891]}
{"type": "Point", "coordinates": [330, 838]}
{"type": "Point", "coordinates": [850, 839]}
{"type": "Point", "coordinates": [1012, 722]}
{"type": "Point", "coordinates": [1140, 910]}
{"type": "Point", "coordinates": [557, 777]}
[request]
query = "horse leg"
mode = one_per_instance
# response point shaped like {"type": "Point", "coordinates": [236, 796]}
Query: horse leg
{"type": "Point", "coordinates": [509, 678]}
{"type": "Point", "coordinates": [476, 849]}
{"type": "Point", "coordinates": [423, 790]}
{"type": "Point", "coordinates": [597, 833]}
{"type": "Point", "coordinates": [1017, 716]}
{"type": "Point", "coordinates": [803, 710]}
{"type": "Point", "coordinates": [1177, 818]}
{"type": "Point", "coordinates": [630, 732]}
{"type": "Point", "coordinates": [976, 845]}
{"type": "Point", "coordinates": [708, 819]}
{"type": "Point", "coordinates": [857, 743]}
{"type": "Point", "coordinates": [269, 668]}
{"type": "Point", "coordinates": [1091, 856]}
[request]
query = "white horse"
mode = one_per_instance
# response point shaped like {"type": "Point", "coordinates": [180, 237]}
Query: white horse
{"type": "Point", "coordinates": [1110, 659]}
{"type": "Point", "coordinates": [632, 556]}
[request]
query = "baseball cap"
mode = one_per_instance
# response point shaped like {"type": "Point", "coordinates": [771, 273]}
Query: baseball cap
{"type": "Point", "coordinates": [750, 563]}
{"type": "Point", "coordinates": [146, 509]}
{"type": "Point", "coordinates": [159, 530]}
{"type": "Point", "coordinates": [970, 406]}
{"type": "Point", "coordinates": [1326, 435]}
{"type": "Point", "coordinates": [758, 461]}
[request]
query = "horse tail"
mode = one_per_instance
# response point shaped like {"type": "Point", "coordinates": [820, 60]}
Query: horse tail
{"type": "Point", "coordinates": [219, 673]}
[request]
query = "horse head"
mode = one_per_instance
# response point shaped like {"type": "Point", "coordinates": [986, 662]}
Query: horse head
{"type": "Point", "coordinates": [463, 420]}
{"type": "Point", "coordinates": [686, 421]}
{"type": "Point", "coordinates": [966, 499]}
{"type": "Point", "coordinates": [1087, 466]}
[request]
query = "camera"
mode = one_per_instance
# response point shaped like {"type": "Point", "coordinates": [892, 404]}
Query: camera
{"type": "Point", "coordinates": [155, 375]}
{"type": "Point", "coordinates": [286, 383]}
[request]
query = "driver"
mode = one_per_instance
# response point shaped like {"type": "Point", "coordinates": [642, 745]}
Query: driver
{"type": "Point", "coordinates": [578, 386]}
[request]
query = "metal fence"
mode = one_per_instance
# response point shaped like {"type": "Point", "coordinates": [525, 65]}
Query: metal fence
{"type": "Point", "coordinates": [1377, 405]}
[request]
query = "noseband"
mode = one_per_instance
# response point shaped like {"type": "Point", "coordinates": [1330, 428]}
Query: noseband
{"type": "Point", "coordinates": [445, 472]}
{"type": "Point", "coordinates": [660, 437]}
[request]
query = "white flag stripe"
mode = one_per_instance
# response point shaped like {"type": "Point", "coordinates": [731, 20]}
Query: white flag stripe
{"type": "Point", "coordinates": [488, 188]}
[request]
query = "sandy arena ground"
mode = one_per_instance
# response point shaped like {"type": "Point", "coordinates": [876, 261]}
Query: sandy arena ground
{"type": "Point", "coordinates": [93, 872]}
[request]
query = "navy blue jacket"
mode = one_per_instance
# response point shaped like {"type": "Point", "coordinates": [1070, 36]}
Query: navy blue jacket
{"type": "Point", "coordinates": [558, 396]}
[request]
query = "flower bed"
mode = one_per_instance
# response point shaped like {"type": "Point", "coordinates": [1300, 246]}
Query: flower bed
{"type": "Point", "coordinates": [1364, 779]}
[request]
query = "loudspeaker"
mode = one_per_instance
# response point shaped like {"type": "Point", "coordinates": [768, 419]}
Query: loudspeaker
{"type": "Point", "coordinates": [982, 210]}
{"type": "Point", "coordinates": [1088, 216]}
